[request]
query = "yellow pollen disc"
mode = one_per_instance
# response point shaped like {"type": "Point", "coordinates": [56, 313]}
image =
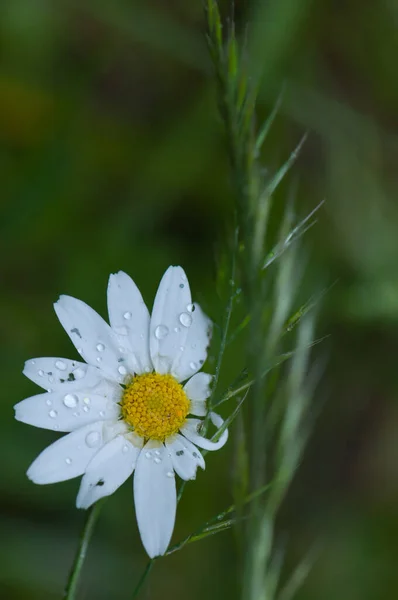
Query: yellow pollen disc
{"type": "Point", "coordinates": [155, 405]}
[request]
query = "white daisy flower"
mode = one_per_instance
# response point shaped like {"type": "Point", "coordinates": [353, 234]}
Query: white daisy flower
{"type": "Point", "coordinates": [126, 408]}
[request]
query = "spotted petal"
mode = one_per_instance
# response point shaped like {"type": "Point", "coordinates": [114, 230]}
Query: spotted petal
{"type": "Point", "coordinates": [170, 320]}
{"type": "Point", "coordinates": [190, 431]}
{"type": "Point", "coordinates": [155, 497]}
{"type": "Point", "coordinates": [108, 470]}
{"type": "Point", "coordinates": [92, 336]}
{"type": "Point", "coordinates": [185, 456]}
{"type": "Point", "coordinates": [69, 456]}
{"type": "Point", "coordinates": [129, 318]}
{"type": "Point", "coordinates": [61, 374]}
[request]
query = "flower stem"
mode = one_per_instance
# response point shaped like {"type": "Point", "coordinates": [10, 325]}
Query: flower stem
{"type": "Point", "coordinates": [87, 532]}
{"type": "Point", "coordinates": [142, 579]}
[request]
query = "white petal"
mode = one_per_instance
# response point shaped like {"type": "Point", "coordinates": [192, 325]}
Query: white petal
{"type": "Point", "coordinates": [66, 412]}
{"type": "Point", "coordinates": [129, 317]}
{"type": "Point", "coordinates": [190, 430]}
{"type": "Point", "coordinates": [69, 456]}
{"type": "Point", "coordinates": [185, 456]}
{"type": "Point", "coordinates": [61, 373]}
{"type": "Point", "coordinates": [198, 408]}
{"type": "Point", "coordinates": [197, 342]}
{"type": "Point", "coordinates": [92, 336]}
{"type": "Point", "coordinates": [107, 470]}
{"type": "Point", "coordinates": [155, 498]}
{"type": "Point", "coordinates": [198, 387]}
{"type": "Point", "coordinates": [170, 320]}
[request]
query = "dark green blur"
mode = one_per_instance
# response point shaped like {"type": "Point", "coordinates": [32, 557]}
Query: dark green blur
{"type": "Point", "coordinates": [112, 157]}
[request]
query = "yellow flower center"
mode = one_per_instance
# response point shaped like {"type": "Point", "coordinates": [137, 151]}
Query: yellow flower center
{"type": "Point", "coordinates": [155, 405]}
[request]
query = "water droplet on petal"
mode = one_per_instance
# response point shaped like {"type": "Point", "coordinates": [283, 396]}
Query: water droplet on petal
{"type": "Point", "coordinates": [148, 455]}
{"type": "Point", "coordinates": [182, 348]}
{"type": "Point", "coordinates": [99, 359]}
{"type": "Point", "coordinates": [80, 350]}
{"type": "Point", "coordinates": [93, 439]}
{"type": "Point", "coordinates": [102, 413]}
{"type": "Point", "coordinates": [193, 365]}
{"type": "Point", "coordinates": [147, 370]}
{"type": "Point", "coordinates": [190, 308]}
{"type": "Point", "coordinates": [185, 319]}
{"type": "Point", "coordinates": [68, 461]}
{"type": "Point", "coordinates": [161, 332]}
{"type": "Point", "coordinates": [127, 316]}
{"type": "Point", "coordinates": [52, 414]}
{"type": "Point", "coordinates": [56, 427]}
{"type": "Point", "coordinates": [41, 373]}
{"type": "Point", "coordinates": [100, 347]}
{"type": "Point", "coordinates": [122, 370]}
{"type": "Point", "coordinates": [33, 362]}
{"type": "Point", "coordinates": [181, 285]}
{"type": "Point", "coordinates": [86, 400]}
{"type": "Point", "coordinates": [177, 329]}
{"type": "Point", "coordinates": [48, 402]}
{"type": "Point", "coordinates": [86, 408]}
{"type": "Point", "coordinates": [157, 452]}
{"type": "Point", "coordinates": [60, 365]}
{"type": "Point", "coordinates": [78, 373]}
{"type": "Point", "coordinates": [125, 449]}
{"type": "Point", "coordinates": [170, 474]}
{"type": "Point", "coordinates": [70, 400]}
{"type": "Point", "coordinates": [157, 460]}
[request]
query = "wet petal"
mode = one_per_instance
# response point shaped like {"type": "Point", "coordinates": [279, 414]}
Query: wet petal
{"type": "Point", "coordinates": [155, 498]}
{"type": "Point", "coordinates": [185, 456]}
{"type": "Point", "coordinates": [197, 342]}
{"type": "Point", "coordinates": [69, 456]}
{"type": "Point", "coordinates": [190, 431]}
{"type": "Point", "coordinates": [67, 412]}
{"type": "Point", "coordinates": [107, 470]}
{"type": "Point", "coordinates": [129, 318]}
{"type": "Point", "coordinates": [93, 337]}
{"type": "Point", "coordinates": [61, 373]}
{"type": "Point", "coordinates": [170, 320]}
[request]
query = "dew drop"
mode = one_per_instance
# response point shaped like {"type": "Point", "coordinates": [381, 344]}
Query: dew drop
{"type": "Point", "coordinates": [148, 455]}
{"type": "Point", "coordinates": [182, 348]}
{"type": "Point", "coordinates": [60, 365]}
{"type": "Point", "coordinates": [86, 401]}
{"type": "Point", "coordinates": [102, 413]}
{"type": "Point", "coordinates": [125, 449]}
{"type": "Point", "coordinates": [161, 332]}
{"type": "Point", "coordinates": [51, 379]}
{"type": "Point", "coordinates": [177, 329]}
{"type": "Point", "coordinates": [185, 319]}
{"type": "Point", "coordinates": [41, 373]}
{"type": "Point", "coordinates": [147, 370]}
{"type": "Point", "coordinates": [127, 316]}
{"type": "Point", "coordinates": [157, 460]}
{"type": "Point", "coordinates": [80, 350]}
{"type": "Point", "coordinates": [93, 439]}
{"type": "Point", "coordinates": [70, 400]}
{"type": "Point", "coordinates": [56, 427]}
{"type": "Point", "coordinates": [33, 362]}
{"type": "Point", "coordinates": [52, 414]}
{"type": "Point", "coordinates": [121, 350]}
{"type": "Point", "coordinates": [157, 452]}
{"type": "Point", "coordinates": [49, 402]}
{"type": "Point", "coordinates": [181, 285]}
{"type": "Point", "coordinates": [68, 461]}
{"type": "Point", "coordinates": [170, 474]}
{"type": "Point", "coordinates": [122, 370]}
{"type": "Point", "coordinates": [86, 408]}
{"type": "Point", "coordinates": [193, 365]}
{"type": "Point", "coordinates": [191, 308]}
{"type": "Point", "coordinates": [99, 359]}
{"type": "Point", "coordinates": [100, 347]}
{"type": "Point", "coordinates": [78, 373]}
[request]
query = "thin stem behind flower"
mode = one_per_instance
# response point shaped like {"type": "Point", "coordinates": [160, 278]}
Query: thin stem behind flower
{"type": "Point", "coordinates": [85, 537]}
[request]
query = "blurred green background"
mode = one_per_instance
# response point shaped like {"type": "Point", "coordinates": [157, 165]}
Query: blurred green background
{"type": "Point", "coordinates": [112, 157]}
